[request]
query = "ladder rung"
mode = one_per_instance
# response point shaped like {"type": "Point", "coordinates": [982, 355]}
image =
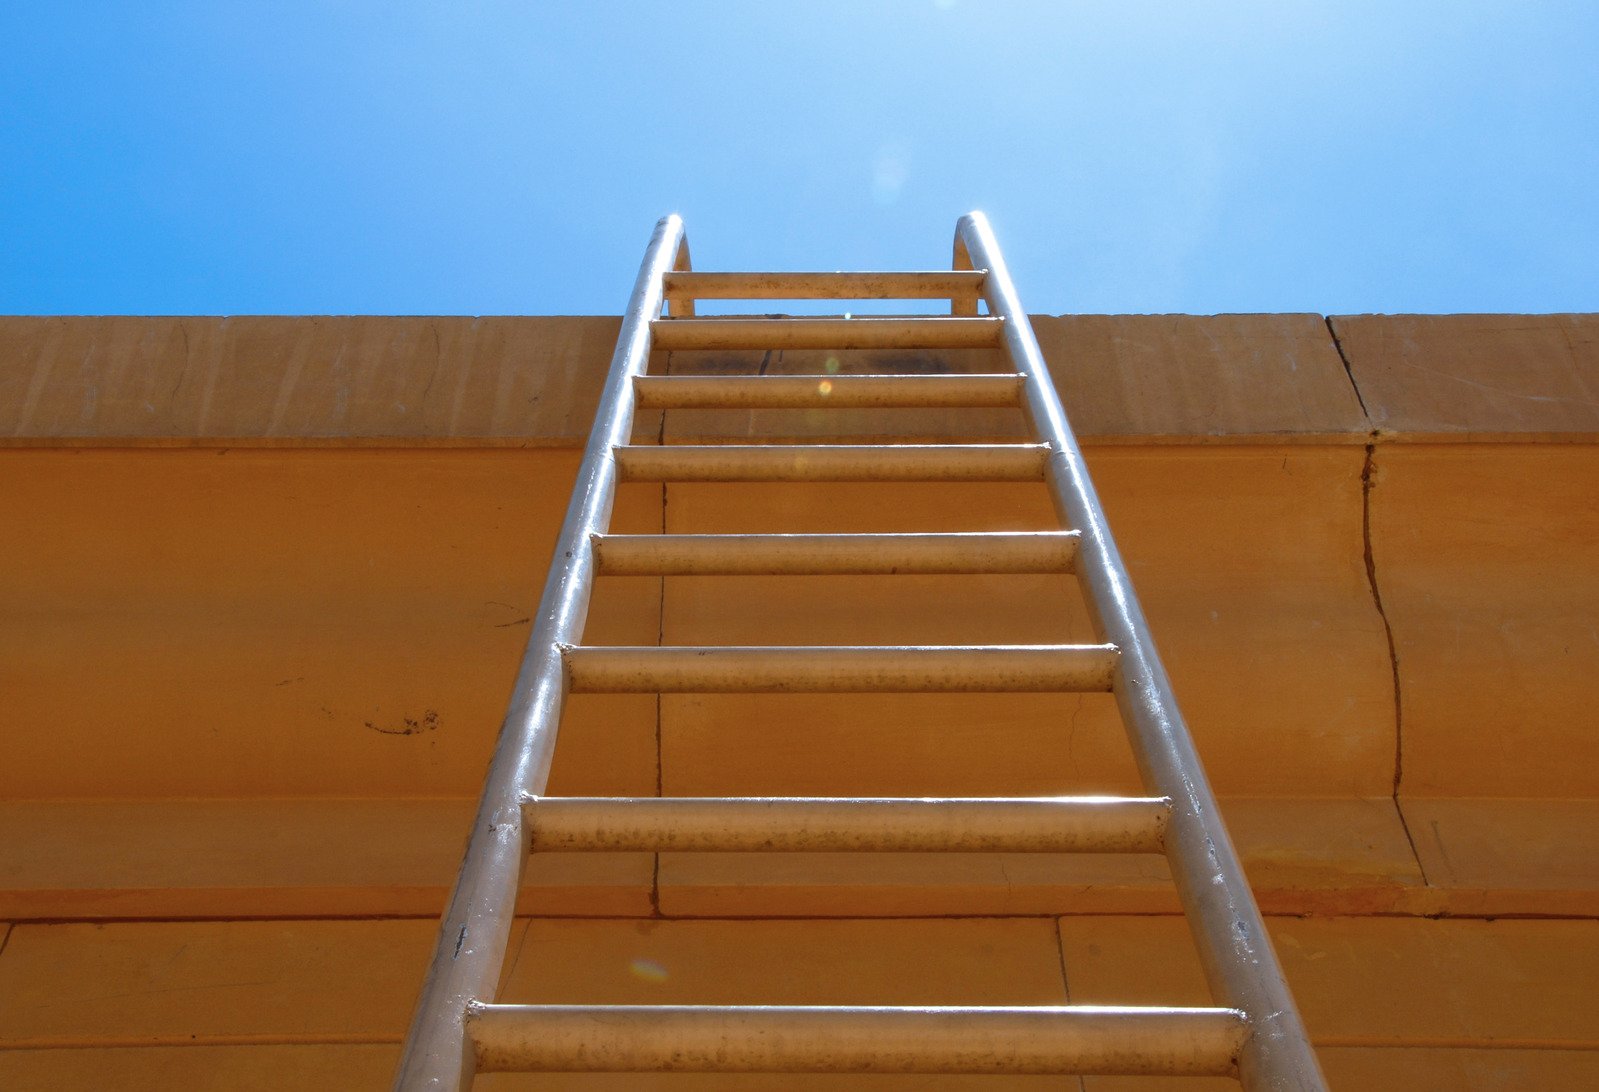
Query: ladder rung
{"type": "Point", "coordinates": [825, 333]}
{"type": "Point", "coordinates": [769, 555]}
{"type": "Point", "coordinates": [838, 669]}
{"type": "Point", "coordinates": [835, 391]}
{"type": "Point", "coordinates": [1044, 824]}
{"type": "Point", "coordinates": [832, 462]}
{"type": "Point", "coordinates": [1075, 1039]}
{"type": "Point", "coordinates": [936, 284]}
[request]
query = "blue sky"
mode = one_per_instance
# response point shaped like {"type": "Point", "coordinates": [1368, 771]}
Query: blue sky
{"type": "Point", "coordinates": [506, 158]}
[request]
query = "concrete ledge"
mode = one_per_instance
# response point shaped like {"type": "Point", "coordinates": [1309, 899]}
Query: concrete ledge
{"type": "Point", "coordinates": [364, 381]}
{"type": "Point", "coordinates": [458, 381]}
{"type": "Point", "coordinates": [1531, 378]}
{"type": "Point", "coordinates": [270, 381]}
{"type": "Point", "coordinates": [1124, 379]}
{"type": "Point", "coordinates": [1201, 377]}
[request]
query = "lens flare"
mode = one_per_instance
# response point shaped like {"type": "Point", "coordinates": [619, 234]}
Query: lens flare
{"type": "Point", "coordinates": [890, 172]}
{"type": "Point", "coordinates": [648, 970]}
{"type": "Point", "coordinates": [824, 388]}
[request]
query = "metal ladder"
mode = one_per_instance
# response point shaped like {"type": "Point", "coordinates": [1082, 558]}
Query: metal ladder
{"type": "Point", "coordinates": [1253, 1033]}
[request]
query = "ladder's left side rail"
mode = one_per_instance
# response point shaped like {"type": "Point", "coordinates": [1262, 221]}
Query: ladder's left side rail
{"type": "Point", "coordinates": [477, 922]}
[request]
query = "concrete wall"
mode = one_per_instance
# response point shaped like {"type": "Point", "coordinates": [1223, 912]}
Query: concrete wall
{"type": "Point", "coordinates": [268, 579]}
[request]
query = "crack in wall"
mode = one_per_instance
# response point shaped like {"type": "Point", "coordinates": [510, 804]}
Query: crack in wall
{"type": "Point", "coordinates": [1349, 372]}
{"type": "Point", "coordinates": [183, 373]}
{"type": "Point", "coordinates": [660, 756]}
{"type": "Point", "coordinates": [514, 957]}
{"type": "Point", "coordinates": [1065, 981]}
{"type": "Point", "coordinates": [1368, 484]}
{"type": "Point", "coordinates": [1368, 473]}
{"type": "Point", "coordinates": [660, 639]}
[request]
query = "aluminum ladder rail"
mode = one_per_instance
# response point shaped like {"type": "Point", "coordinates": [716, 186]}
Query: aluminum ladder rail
{"type": "Point", "coordinates": [1255, 1032]}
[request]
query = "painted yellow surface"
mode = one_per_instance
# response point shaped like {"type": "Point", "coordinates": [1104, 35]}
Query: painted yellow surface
{"type": "Point", "coordinates": [260, 623]}
{"type": "Point", "coordinates": [1447, 1070]}
{"type": "Point", "coordinates": [1389, 1000]}
{"type": "Point", "coordinates": [929, 961]}
{"type": "Point", "coordinates": [248, 1069]}
{"type": "Point", "coordinates": [303, 857]}
{"type": "Point", "coordinates": [994, 961]}
{"type": "Point", "coordinates": [1494, 856]}
{"type": "Point", "coordinates": [1323, 856]}
{"type": "Point", "coordinates": [200, 1068]}
{"type": "Point", "coordinates": [267, 581]}
{"type": "Point", "coordinates": [348, 623]}
{"type": "Point", "coordinates": [1372, 981]}
{"type": "Point", "coordinates": [315, 857]}
{"type": "Point", "coordinates": [1411, 1069]}
{"type": "Point", "coordinates": [1249, 566]}
{"type": "Point", "coordinates": [272, 981]}
{"type": "Point", "coordinates": [1486, 560]}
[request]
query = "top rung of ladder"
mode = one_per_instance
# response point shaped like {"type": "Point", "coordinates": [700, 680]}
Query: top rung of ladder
{"type": "Point", "coordinates": [956, 285]}
{"type": "Point", "coordinates": [962, 287]}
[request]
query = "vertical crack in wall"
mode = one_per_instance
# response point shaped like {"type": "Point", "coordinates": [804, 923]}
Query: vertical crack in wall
{"type": "Point", "coordinates": [1368, 482]}
{"type": "Point", "coordinates": [660, 755]}
{"type": "Point", "coordinates": [509, 964]}
{"type": "Point", "coordinates": [660, 639]}
{"type": "Point", "coordinates": [1065, 982]}
{"type": "Point", "coordinates": [1368, 473]}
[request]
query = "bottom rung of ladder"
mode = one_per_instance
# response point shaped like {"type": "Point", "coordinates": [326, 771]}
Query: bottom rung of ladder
{"type": "Point", "coordinates": [1042, 824]}
{"type": "Point", "coordinates": [1076, 1039]}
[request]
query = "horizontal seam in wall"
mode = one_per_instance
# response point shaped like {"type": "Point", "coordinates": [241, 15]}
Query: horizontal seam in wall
{"type": "Point", "coordinates": [573, 445]}
{"type": "Point", "coordinates": [66, 1042]}
{"type": "Point", "coordinates": [127, 1042]}
{"type": "Point", "coordinates": [1451, 1042]}
{"type": "Point", "coordinates": [1418, 914]}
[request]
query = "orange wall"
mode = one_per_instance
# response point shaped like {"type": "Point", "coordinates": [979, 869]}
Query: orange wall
{"type": "Point", "coordinates": [267, 582]}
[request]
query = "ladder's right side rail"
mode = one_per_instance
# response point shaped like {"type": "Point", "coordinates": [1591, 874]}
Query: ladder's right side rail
{"type": "Point", "coordinates": [1231, 938]}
